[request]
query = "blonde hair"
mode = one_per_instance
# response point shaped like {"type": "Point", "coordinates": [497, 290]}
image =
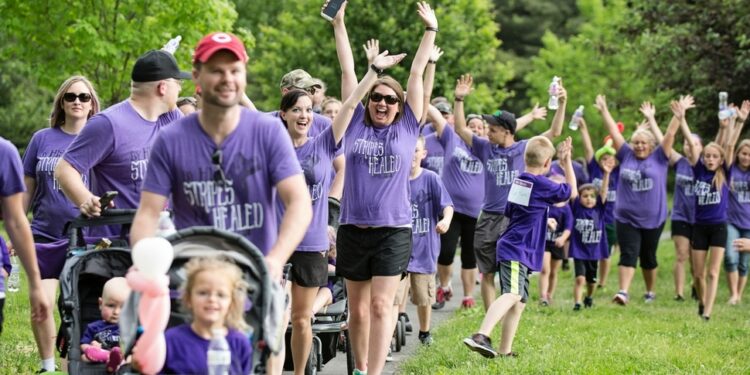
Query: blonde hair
{"type": "Point", "coordinates": [646, 133]}
{"type": "Point", "coordinates": [328, 100]}
{"type": "Point", "coordinates": [57, 116]}
{"type": "Point", "coordinates": [744, 143]}
{"type": "Point", "coordinates": [220, 266]}
{"type": "Point", "coordinates": [720, 178]}
{"type": "Point", "coordinates": [539, 149]}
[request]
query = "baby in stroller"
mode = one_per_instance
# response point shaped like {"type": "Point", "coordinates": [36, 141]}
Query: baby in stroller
{"type": "Point", "coordinates": [101, 339]}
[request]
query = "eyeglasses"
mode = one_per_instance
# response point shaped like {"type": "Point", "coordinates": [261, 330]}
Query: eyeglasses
{"type": "Point", "coordinates": [71, 97]}
{"type": "Point", "coordinates": [220, 178]}
{"type": "Point", "coordinates": [376, 97]}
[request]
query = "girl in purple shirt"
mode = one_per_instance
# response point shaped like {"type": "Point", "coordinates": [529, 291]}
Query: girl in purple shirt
{"type": "Point", "coordinates": [75, 102]}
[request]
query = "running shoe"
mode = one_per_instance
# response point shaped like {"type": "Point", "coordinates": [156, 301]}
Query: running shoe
{"type": "Point", "coordinates": [588, 302]}
{"type": "Point", "coordinates": [577, 307]}
{"type": "Point", "coordinates": [649, 297]}
{"type": "Point", "coordinates": [679, 298]}
{"type": "Point", "coordinates": [694, 294]}
{"type": "Point", "coordinates": [621, 298]}
{"type": "Point", "coordinates": [426, 340]}
{"type": "Point", "coordinates": [468, 303]}
{"type": "Point", "coordinates": [389, 356]}
{"type": "Point", "coordinates": [439, 299]}
{"type": "Point", "coordinates": [448, 292]}
{"type": "Point", "coordinates": [544, 302]}
{"type": "Point", "coordinates": [700, 310]}
{"type": "Point", "coordinates": [359, 372]}
{"type": "Point", "coordinates": [481, 344]}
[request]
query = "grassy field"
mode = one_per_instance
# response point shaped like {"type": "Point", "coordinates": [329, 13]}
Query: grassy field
{"type": "Point", "coordinates": [665, 337]}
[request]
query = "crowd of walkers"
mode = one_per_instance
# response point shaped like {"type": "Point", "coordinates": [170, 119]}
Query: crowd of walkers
{"type": "Point", "coordinates": [415, 176]}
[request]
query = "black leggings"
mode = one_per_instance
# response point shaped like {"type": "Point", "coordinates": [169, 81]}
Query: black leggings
{"type": "Point", "coordinates": [638, 243]}
{"type": "Point", "coordinates": [461, 226]}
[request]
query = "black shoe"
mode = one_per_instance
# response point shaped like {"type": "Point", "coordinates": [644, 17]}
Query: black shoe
{"type": "Point", "coordinates": [577, 307]}
{"type": "Point", "coordinates": [694, 294]}
{"type": "Point", "coordinates": [705, 318]}
{"type": "Point", "coordinates": [439, 299]}
{"type": "Point", "coordinates": [481, 344]}
{"type": "Point", "coordinates": [700, 310]}
{"type": "Point", "coordinates": [679, 298]}
{"type": "Point", "coordinates": [588, 302]}
{"type": "Point", "coordinates": [565, 265]}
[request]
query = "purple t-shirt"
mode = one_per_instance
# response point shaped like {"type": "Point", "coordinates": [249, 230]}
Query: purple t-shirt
{"type": "Point", "coordinates": [256, 156]}
{"type": "Point", "coordinates": [710, 204]}
{"type": "Point", "coordinates": [428, 199]}
{"type": "Point", "coordinates": [319, 123]}
{"type": "Point", "coordinates": [683, 205]}
{"type": "Point", "coordinates": [739, 197]}
{"type": "Point", "coordinates": [105, 333]}
{"type": "Point", "coordinates": [501, 165]}
{"type": "Point", "coordinates": [435, 154]}
{"type": "Point", "coordinates": [589, 239]}
{"type": "Point", "coordinates": [564, 217]}
{"type": "Point", "coordinates": [315, 157]}
{"type": "Point", "coordinates": [596, 174]}
{"type": "Point", "coordinates": [524, 239]}
{"type": "Point", "coordinates": [428, 129]}
{"type": "Point", "coordinates": [11, 170]}
{"type": "Point", "coordinates": [463, 174]}
{"type": "Point", "coordinates": [642, 188]}
{"type": "Point", "coordinates": [49, 205]}
{"type": "Point", "coordinates": [114, 145]}
{"type": "Point", "coordinates": [378, 160]}
{"type": "Point", "coordinates": [582, 175]}
{"type": "Point", "coordinates": [187, 353]}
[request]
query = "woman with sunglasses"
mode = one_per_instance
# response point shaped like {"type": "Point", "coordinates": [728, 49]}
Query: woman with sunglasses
{"type": "Point", "coordinates": [74, 104]}
{"type": "Point", "coordinates": [309, 269]}
{"type": "Point", "coordinates": [374, 239]}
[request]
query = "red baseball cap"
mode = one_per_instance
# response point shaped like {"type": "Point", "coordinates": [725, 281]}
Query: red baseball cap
{"type": "Point", "coordinates": [214, 42]}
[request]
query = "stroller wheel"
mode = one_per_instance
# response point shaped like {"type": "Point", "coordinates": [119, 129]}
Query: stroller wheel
{"type": "Point", "coordinates": [311, 368]}
{"type": "Point", "coordinates": [398, 336]}
{"type": "Point", "coordinates": [402, 327]}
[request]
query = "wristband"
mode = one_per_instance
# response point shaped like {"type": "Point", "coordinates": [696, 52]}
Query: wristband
{"type": "Point", "coordinates": [458, 99]}
{"type": "Point", "coordinates": [377, 70]}
{"type": "Point", "coordinates": [431, 62]}
{"type": "Point", "coordinates": [428, 28]}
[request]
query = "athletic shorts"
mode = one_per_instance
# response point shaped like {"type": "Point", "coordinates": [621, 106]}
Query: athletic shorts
{"type": "Point", "coordinates": [403, 289]}
{"type": "Point", "coordinates": [362, 253]}
{"type": "Point", "coordinates": [489, 229]}
{"type": "Point", "coordinates": [558, 253]}
{"type": "Point", "coordinates": [708, 235]}
{"type": "Point", "coordinates": [611, 236]}
{"type": "Point", "coordinates": [309, 269]}
{"type": "Point", "coordinates": [514, 279]}
{"type": "Point", "coordinates": [586, 268]}
{"type": "Point", "coordinates": [422, 288]}
{"type": "Point", "coordinates": [638, 243]}
{"type": "Point", "coordinates": [462, 226]}
{"type": "Point", "coordinates": [682, 228]}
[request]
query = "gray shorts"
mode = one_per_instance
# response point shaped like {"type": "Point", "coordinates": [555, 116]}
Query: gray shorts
{"type": "Point", "coordinates": [489, 228]}
{"type": "Point", "coordinates": [514, 279]}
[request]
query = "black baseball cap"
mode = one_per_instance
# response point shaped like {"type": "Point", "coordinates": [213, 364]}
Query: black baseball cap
{"type": "Point", "coordinates": [503, 119]}
{"type": "Point", "coordinates": [156, 65]}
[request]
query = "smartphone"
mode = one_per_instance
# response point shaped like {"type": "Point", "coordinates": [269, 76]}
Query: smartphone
{"type": "Point", "coordinates": [331, 9]}
{"type": "Point", "coordinates": [106, 198]}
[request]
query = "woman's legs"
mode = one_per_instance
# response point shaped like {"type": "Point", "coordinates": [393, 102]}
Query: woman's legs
{"type": "Point", "coordinates": [731, 264]}
{"type": "Point", "coordinates": [322, 299]}
{"type": "Point", "coordinates": [45, 332]}
{"type": "Point", "coordinates": [302, 306]}
{"type": "Point", "coordinates": [358, 293]}
{"type": "Point", "coordinates": [716, 255]}
{"type": "Point", "coordinates": [553, 271]}
{"type": "Point", "coordinates": [682, 251]}
{"type": "Point", "coordinates": [544, 277]}
{"type": "Point", "coordinates": [698, 258]}
{"type": "Point", "coordinates": [382, 294]}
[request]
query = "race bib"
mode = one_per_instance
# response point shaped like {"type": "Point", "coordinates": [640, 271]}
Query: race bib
{"type": "Point", "coordinates": [520, 192]}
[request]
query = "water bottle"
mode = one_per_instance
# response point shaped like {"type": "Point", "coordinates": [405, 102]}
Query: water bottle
{"type": "Point", "coordinates": [173, 44]}
{"type": "Point", "coordinates": [14, 279]}
{"type": "Point", "coordinates": [166, 226]}
{"type": "Point", "coordinates": [219, 356]}
{"type": "Point", "coordinates": [726, 113]}
{"type": "Point", "coordinates": [552, 103]}
{"type": "Point", "coordinates": [574, 121]}
{"type": "Point", "coordinates": [723, 97]}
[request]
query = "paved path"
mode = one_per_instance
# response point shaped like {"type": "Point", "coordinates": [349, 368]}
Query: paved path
{"type": "Point", "coordinates": [338, 364]}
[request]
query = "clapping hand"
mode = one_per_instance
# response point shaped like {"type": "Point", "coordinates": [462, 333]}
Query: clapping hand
{"type": "Point", "coordinates": [372, 49]}
{"type": "Point", "coordinates": [463, 86]}
{"type": "Point", "coordinates": [566, 149]}
{"type": "Point", "coordinates": [648, 110]}
{"type": "Point", "coordinates": [384, 61]}
{"type": "Point", "coordinates": [436, 53]}
{"type": "Point", "coordinates": [601, 103]}
{"type": "Point", "coordinates": [427, 14]}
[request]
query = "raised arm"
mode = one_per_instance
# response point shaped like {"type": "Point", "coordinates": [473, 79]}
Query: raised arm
{"type": "Point", "coordinates": [734, 136]}
{"type": "Point", "coordinates": [415, 85]}
{"type": "Point", "coordinates": [463, 89]}
{"type": "Point", "coordinates": [678, 110]}
{"type": "Point", "coordinates": [557, 122]}
{"type": "Point", "coordinates": [344, 53]}
{"type": "Point", "coordinates": [649, 113]}
{"type": "Point", "coordinates": [606, 172]}
{"type": "Point", "coordinates": [536, 113]}
{"type": "Point", "coordinates": [601, 105]}
{"type": "Point", "coordinates": [436, 118]}
{"type": "Point", "coordinates": [429, 80]}
{"type": "Point", "coordinates": [566, 162]}
{"type": "Point", "coordinates": [588, 148]}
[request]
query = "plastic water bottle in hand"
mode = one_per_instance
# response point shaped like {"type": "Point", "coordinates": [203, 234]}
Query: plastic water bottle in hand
{"type": "Point", "coordinates": [172, 45]}
{"type": "Point", "coordinates": [552, 103]}
{"type": "Point", "coordinates": [723, 97]}
{"type": "Point", "coordinates": [166, 226]}
{"type": "Point", "coordinates": [219, 356]}
{"type": "Point", "coordinates": [14, 279]}
{"type": "Point", "coordinates": [576, 116]}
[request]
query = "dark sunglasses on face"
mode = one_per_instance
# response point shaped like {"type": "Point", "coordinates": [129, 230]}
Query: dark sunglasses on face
{"type": "Point", "coordinates": [219, 177]}
{"type": "Point", "coordinates": [389, 99]}
{"type": "Point", "coordinates": [71, 97]}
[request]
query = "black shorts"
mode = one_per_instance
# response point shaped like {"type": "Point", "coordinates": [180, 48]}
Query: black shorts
{"type": "Point", "coordinates": [309, 269]}
{"type": "Point", "coordinates": [708, 235]}
{"type": "Point", "coordinates": [558, 253]}
{"type": "Point", "coordinates": [638, 243]}
{"type": "Point", "coordinates": [682, 228]}
{"type": "Point", "coordinates": [611, 236]}
{"type": "Point", "coordinates": [461, 226]}
{"type": "Point", "coordinates": [514, 279]}
{"type": "Point", "coordinates": [586, 268]}
{"type": "Point", "coordinates": [488, 230]}
{"type": "Point", "coordinates": [366, 252]}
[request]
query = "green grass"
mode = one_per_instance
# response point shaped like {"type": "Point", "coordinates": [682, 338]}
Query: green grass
{"type": "Point", "coordinates": [665, 337]}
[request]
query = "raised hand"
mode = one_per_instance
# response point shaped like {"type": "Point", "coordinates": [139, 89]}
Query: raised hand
{"type": "Point", "coordinates": [608, 165]}
{"type": "Point", "coordinates": [601, 103]}
{"type": "Point", "coordinates": [384, 61]}
{"type": "Point", "coordinates": [677, 109]}
{"type": "Point", "coordinates": [463, 86]}
{"type": "Point", "coordinates": [744, 110]}
{"type": "Point", "coordinates": [427, 14]}
{"type": "Point", "coordinates": [687, 102]}
{"type": "Point", "coordinates": [565, 150]}
{"type": "Point", "coordinates": [648, 110]}
{"type": "Point", "coordinates": [372, 49]}
{"type": "Point", "coordinates": [436, 53]}
{"type": "Point", "coordinates": [339, 18]}
{"type": "Point", "coordinates": [538, 113]}
{"type": "Point", "coordinates": [562, 93]}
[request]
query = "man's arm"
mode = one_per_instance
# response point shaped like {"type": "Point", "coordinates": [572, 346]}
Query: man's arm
{"type": "Point", "coordinates": [463, 89]}
{"type": "Point", "coordinates": [294, 194]}
{"type": "Point", "coordinates": [146, 218]}
{"type": "Point", "coordinates": [72, 185]}
{"type": "Point", "coordinates": [557, 122]}
{"type": "Point", "coordinates": [536, 113]}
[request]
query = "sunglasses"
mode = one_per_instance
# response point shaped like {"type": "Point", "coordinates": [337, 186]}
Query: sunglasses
{"type": "Point", "coordinates": [220, 178]}
{"type": "Point", "coordinates": [389, 99]}
{"type": "Point", "coordinates": [71, 97]}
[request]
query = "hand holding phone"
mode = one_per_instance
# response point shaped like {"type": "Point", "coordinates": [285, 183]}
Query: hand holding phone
{"type": "Point", "coordinates": [330, 8]}
{"type": "Point", "coordinates": [106, 199]}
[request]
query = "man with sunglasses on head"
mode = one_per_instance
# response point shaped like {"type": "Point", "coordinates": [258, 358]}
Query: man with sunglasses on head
{"type": "Point", "coordinates": [115, 144]}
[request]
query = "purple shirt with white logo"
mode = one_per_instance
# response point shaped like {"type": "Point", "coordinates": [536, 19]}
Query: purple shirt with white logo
{"type": "Point", "coordinates": [596, 174]}
{"type": "Point", "coordinates": [564, 217]}
{"type": "Point", "coordinates": [49, 205]}
{"type": "Point", "coordinates": [315, 157]}
{"type": "Point", "coordinates": [683, 205]}
{"type": "Point", "coordinates": [524, 239]}
{"type": "Point", "coordinates": [187, 353]}
{"type": "Point", "coordinates": [103, 332]}
{"type": "Point", "coordinates": [428, 199]}
{"type": "Point", "coordinates": [11, 170]}
{"type": "Point", "coordinates": [378, 160]}
{"type": "Point", "coordinates": [642, 188]}
{"type": "Point", "coordinates": [256, 155]}
{"type": "Point", "coordinates": [501, 166]}
{"type": "Point", "coordinates": [435, 154]}
{"type": "Point", "coordinates": [710, 203]}
{"type": "Point", "coordinates": [589, 239]}
{"type": "Point", "coordinates": [463, 174]}
{"type": "Point", "coordinates": [739, 197]}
